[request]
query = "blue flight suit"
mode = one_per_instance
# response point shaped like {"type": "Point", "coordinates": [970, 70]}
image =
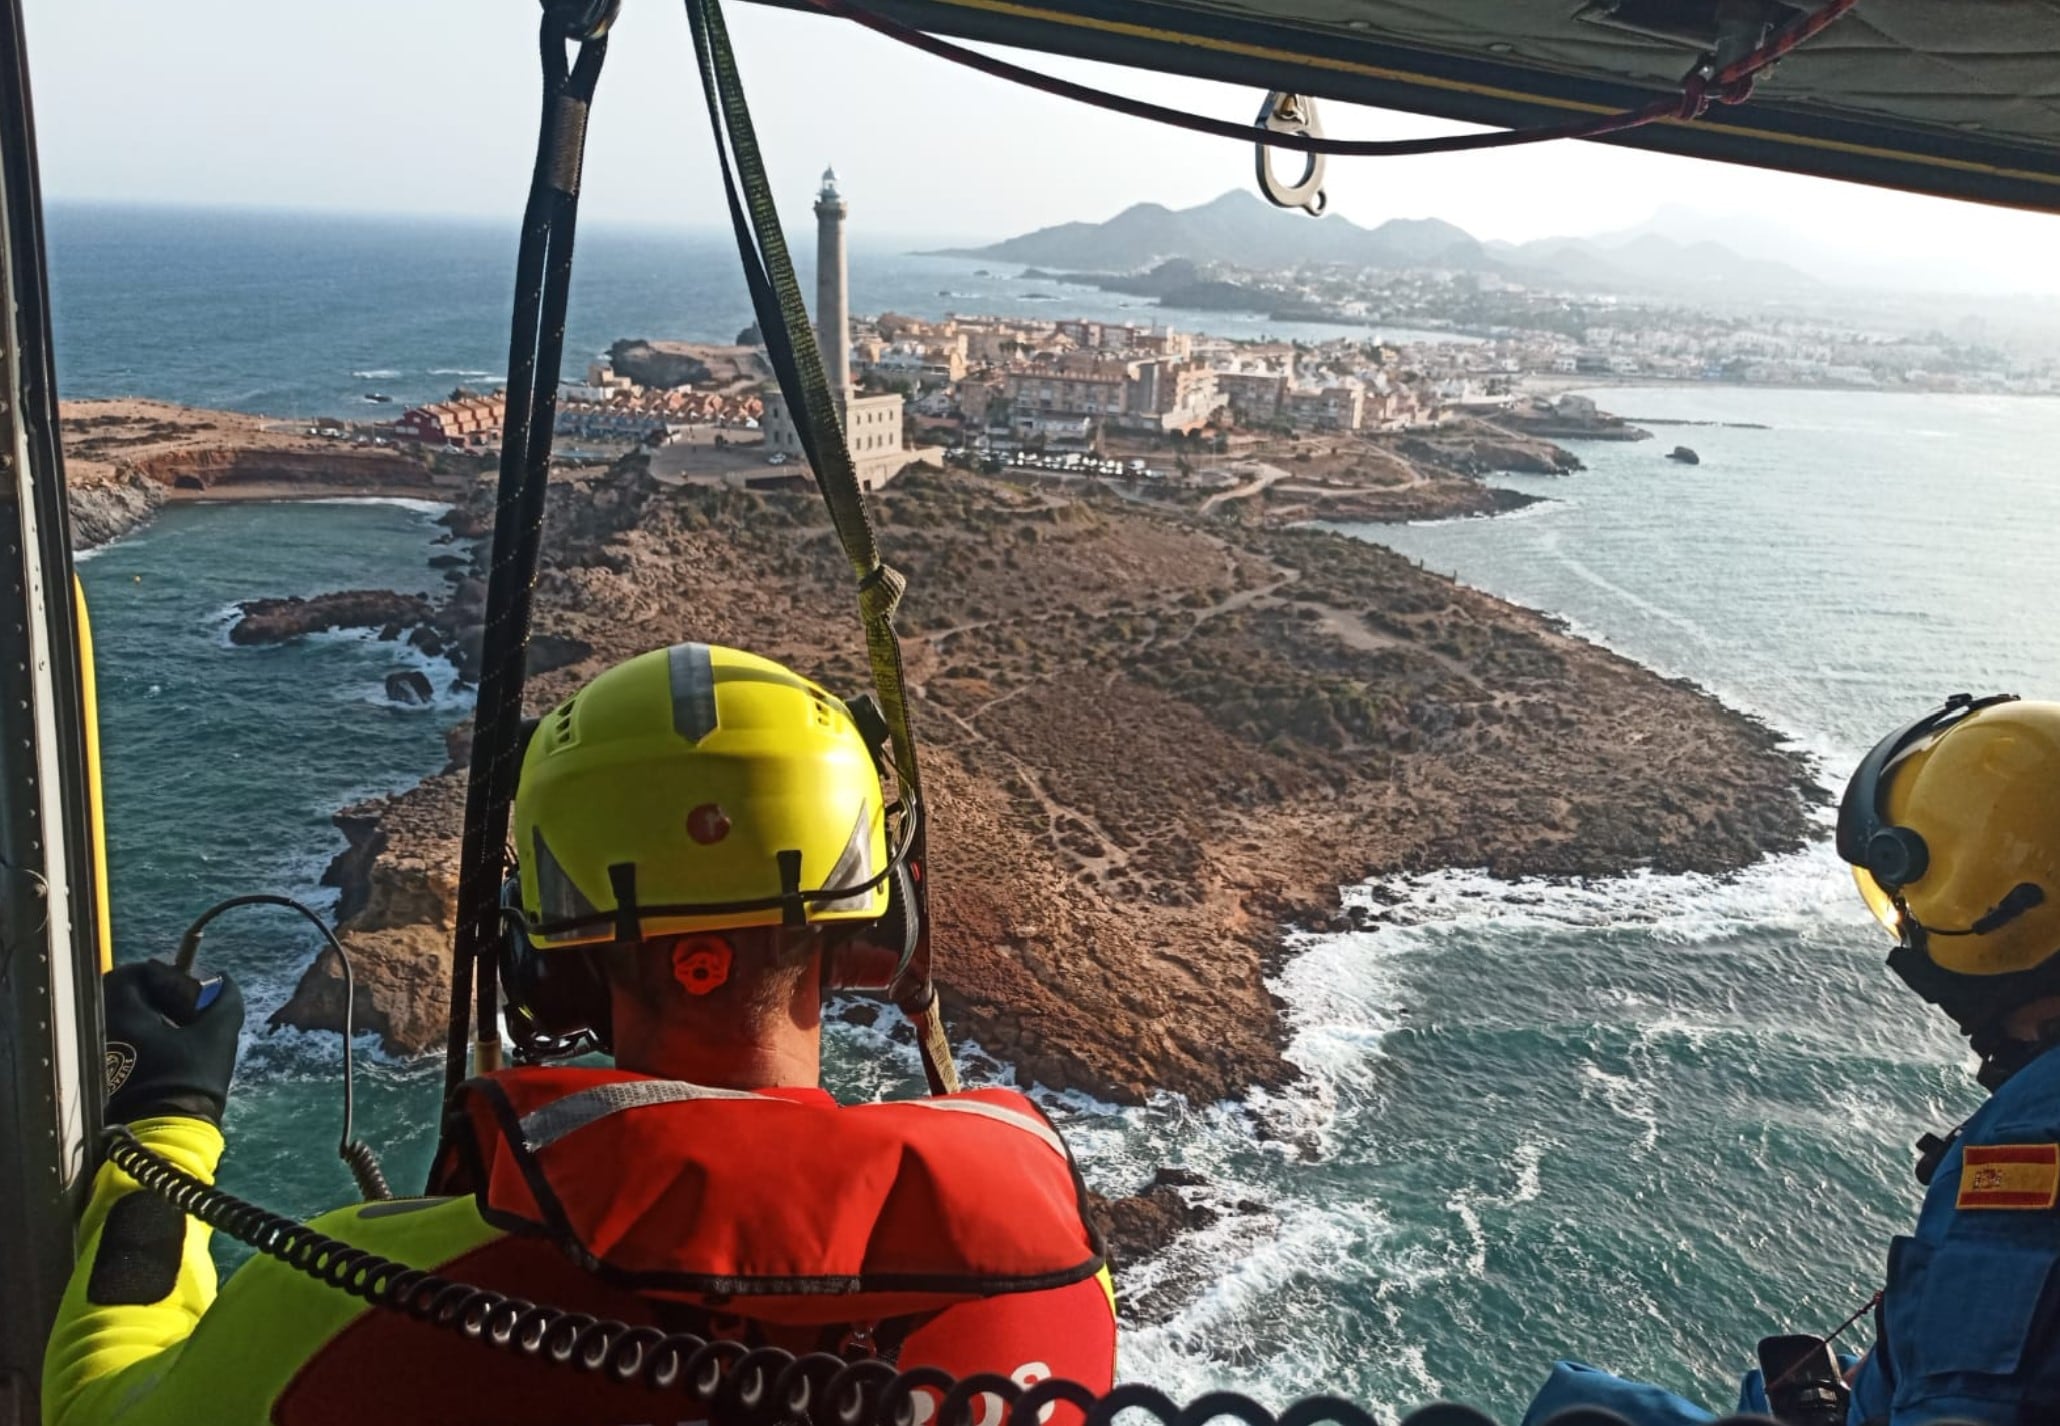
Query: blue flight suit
{"type": "Point", "coordinates": [1968, 1315]}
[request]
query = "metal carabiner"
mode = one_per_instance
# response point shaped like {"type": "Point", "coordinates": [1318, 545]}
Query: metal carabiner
{"type": "Point", "coordinates": [582, 20]}
{"type": "Point", "coordinates": [1285, 113]}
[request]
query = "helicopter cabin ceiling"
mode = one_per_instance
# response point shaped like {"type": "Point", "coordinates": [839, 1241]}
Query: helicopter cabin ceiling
{"type": "Point", "coordinates": [1959, 98]}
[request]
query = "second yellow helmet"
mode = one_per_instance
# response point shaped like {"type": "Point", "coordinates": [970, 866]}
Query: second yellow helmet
{"type": "Point", "coordinates": [1953, 826]}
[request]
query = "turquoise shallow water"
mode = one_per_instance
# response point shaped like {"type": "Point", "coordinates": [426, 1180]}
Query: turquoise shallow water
{"type": "Point", "coordinates": [1641, 1120]}
{"type": "Point", "coordinates": [223, 767]}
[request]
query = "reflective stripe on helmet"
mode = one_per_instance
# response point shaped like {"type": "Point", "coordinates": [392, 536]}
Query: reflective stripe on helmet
{"type": "Point", "coordinates": [854, 868]}
{"type": "Point", "coordinates": [558, 895]}
{"type": "Point", "coordinates": [691, 670]}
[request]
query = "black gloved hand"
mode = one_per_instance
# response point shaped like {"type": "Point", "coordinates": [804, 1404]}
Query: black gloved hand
{"type": "Point", "coordinates": [167, 1053]}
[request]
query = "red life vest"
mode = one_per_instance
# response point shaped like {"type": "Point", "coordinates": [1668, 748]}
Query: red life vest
{"type": "Point", "coordinates": [779, 1207]}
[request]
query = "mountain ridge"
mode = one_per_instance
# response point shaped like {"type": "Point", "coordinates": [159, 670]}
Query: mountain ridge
{"type": "Point", "coordinates": [1238, 229]}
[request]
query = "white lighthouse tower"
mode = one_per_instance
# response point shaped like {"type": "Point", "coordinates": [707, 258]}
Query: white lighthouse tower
{"type": "Point", "coordinates": [832, 308]}
{"type": "Point", "coordinates": [872, 424]}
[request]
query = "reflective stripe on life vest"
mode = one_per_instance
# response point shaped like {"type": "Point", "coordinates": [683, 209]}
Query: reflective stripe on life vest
{"type": "Point", "coordinates": [546, 1126]}
{"type": "Point", "coordinates": [1028, 1124]}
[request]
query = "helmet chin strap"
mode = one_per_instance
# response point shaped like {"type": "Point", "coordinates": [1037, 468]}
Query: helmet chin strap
{"type": "Point", "coordinates": [1979, 1004]}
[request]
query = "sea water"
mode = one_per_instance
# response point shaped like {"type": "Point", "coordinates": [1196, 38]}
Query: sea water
{"type": "Point", "coordinates": [1640, 1120]}
{"type": "Point", "coordinates": [283, 314]}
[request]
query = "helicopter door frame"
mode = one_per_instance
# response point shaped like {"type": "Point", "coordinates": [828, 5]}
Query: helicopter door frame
{"type": "Point", "coordinates": [50, 942]}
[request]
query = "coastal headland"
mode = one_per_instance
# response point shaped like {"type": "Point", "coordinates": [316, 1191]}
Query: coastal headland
{"type": "Point", "coordinates": [1159, 734]}
{"type": "Point", "coordinates": [124, 458]}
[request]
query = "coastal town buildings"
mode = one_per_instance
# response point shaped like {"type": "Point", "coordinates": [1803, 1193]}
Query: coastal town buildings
{"type": "Point", "coordinates": [465, 420]}
{"type": "Point", "coordinates": [1481, 343]}
{"type": "Point", "coordinates": [1254, 397]}
{"type": "Point", "coordinates": [609, 406]}
{"type": "Point", "coordinates": [1169, 393]}
{"type": "Point", "coordinates": [1337, 406]}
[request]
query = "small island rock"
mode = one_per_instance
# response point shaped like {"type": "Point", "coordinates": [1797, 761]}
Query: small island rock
{"type": "Point", "coordinates": [1146, 1223]}
{"type": "Point", "coordinates": [274, 621]}
{"type": "Point", "coordinates": [409, 687]}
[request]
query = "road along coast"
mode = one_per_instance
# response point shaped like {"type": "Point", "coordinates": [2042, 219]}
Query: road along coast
{"type": "Point", "coordinates": [1156, 738]}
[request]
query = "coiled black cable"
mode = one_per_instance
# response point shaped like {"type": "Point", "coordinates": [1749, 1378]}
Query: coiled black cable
{"type": "Point", "coordinates": [356, 1154]}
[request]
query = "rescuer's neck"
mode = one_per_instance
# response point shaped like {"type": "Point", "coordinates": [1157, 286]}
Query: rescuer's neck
{"type": "Point", "coordinates": [780, 1062]}
{"type": "Point", "coordinates": [778, 1047]}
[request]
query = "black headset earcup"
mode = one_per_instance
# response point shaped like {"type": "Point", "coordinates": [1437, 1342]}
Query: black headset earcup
{"type": "Point", "coordinates": [1896, 857]}
{"type": "Point", "coordinates": [874, 957]}
{"type": "Point", "coordinates": [554, 998]}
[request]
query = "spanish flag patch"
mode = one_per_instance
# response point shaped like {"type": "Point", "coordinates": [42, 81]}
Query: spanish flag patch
{"type": "Point", "coordinates": [2009, 1176]}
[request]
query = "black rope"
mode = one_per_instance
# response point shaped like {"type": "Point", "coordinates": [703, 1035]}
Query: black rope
{"type": "Point", "coordinates": [536, 343]}
{"type": "Point", "coordinates": [1703, 85]}
{"type": "Point", "coordinates": [762, 1386]}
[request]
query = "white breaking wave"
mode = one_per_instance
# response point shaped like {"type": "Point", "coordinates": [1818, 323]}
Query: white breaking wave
{"type": "Point", "coordinates": [1628, 1098]}
{"type": "Point", "coordinates": [447, 693]}
{"type": "Point", "coordinates": [1344, 995]}
{"type": "Point", "coordinates": [219, 621]}
{"type": "Point", "coordinates": [1787, 892]}
{"type": "Point", "coordinates": [378, 657]}
{"type": "Point", "coordinates": [1540, 505]}
{"type": "Point", "coordinates": [377, 374]}
{"type": "Point", "coordinates": [1285, 1254]}
{"type": "Point", "coordinates": [402, 502]}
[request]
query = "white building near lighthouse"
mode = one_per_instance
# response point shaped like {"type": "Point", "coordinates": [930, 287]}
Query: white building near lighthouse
{"type": "Point", "coordinates": [872, 424]}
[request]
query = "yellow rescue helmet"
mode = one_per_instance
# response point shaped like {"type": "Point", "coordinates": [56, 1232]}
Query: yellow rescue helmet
{"type": "Point", "coordinates": [1953, 826]}
{"type": "Point", "coordinates": [697, 788]}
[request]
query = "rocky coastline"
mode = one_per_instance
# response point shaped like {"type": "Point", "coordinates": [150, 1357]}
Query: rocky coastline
{"type": "Point", "coordinates": [272, 621]}
{"type": "Point", "coordinates": [1157, 738]}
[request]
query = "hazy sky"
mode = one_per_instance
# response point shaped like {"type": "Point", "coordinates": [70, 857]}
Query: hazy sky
{"type": "Point", "coordinates": [429, 106]}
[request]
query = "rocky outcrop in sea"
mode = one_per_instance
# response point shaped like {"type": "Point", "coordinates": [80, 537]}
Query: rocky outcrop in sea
{"type": "Point", "coordinates": [273, 621]}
